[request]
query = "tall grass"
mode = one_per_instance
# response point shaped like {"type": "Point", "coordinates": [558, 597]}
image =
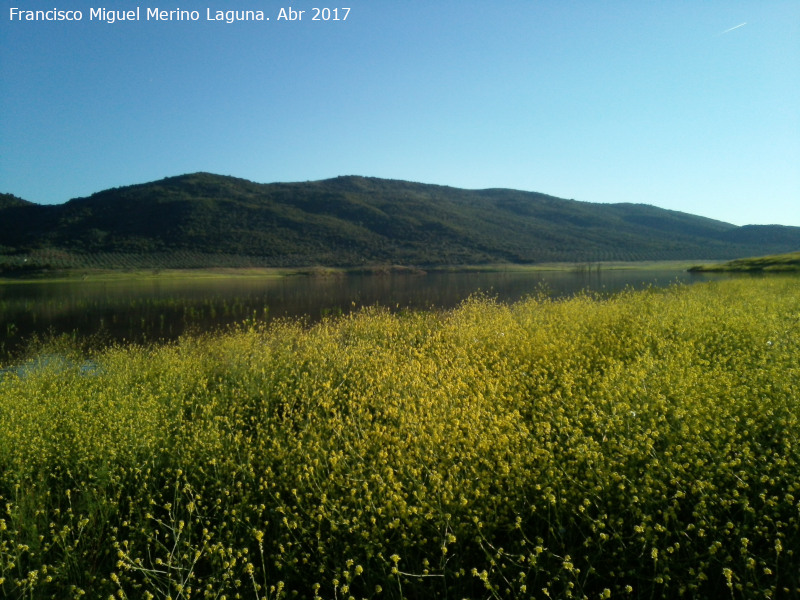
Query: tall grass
{"type": "Point", "coordinates": [640, 446]}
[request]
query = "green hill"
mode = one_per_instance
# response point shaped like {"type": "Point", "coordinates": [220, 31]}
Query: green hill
{"type": "Point", "coordinates": [203, 219]}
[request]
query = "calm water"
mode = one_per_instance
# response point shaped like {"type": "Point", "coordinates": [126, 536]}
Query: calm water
{"type": "Point", "coordinates": [163, 309]}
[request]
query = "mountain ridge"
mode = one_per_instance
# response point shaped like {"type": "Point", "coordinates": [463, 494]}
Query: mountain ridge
{"type": "Point", "coordinates": [354, 220]}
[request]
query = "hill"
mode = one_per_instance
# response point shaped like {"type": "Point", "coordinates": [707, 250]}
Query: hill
{"type": "Point", "coordinates": [7, 200]}
{"type": "Point", "coordinates": [203, 219]}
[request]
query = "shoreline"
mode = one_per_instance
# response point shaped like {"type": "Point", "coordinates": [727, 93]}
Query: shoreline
{"type": "Point", "coordinates": [76, 275]}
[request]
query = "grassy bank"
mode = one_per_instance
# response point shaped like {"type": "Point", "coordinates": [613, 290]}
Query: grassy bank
{"type": "Point", "coordinates": [67, 275]}
{"type": "Point", "coordinates": [642, 446]}
{"type": "Point", "coordinates": [133, 274]}
{"type": "Point", "coordinates": [775, 263]}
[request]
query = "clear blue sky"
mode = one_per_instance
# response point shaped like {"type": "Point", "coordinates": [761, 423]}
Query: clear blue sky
{"type": "Point", "coordinates": [666, 103]}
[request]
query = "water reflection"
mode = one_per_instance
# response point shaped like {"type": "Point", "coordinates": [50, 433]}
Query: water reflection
{"type": "Point", "coordinates": [156, 309]}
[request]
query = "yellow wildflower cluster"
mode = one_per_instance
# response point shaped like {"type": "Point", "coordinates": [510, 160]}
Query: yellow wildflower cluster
{"type": "Point", "coordinates": [641, 445]}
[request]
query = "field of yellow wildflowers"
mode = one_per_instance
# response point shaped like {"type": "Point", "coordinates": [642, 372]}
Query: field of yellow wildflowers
{"type": "Point", "coordinates": [645, 445]}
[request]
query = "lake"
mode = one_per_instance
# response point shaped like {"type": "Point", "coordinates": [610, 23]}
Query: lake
{"type": "Point", "coordinates": [143, 310]}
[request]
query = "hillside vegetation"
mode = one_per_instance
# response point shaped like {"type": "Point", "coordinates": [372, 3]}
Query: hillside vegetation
{"type": "Point", "coordinates": [780, 263]}
{"type": "Point", "coordinates": [639, 446]}
{"type": "Point", "coordinates": [7, 200]}
{"type": "Point", "coordinates": [204, 220]}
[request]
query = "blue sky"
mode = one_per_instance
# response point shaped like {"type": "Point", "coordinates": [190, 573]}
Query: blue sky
{"type": "Point", "coordinates": [660, 103]}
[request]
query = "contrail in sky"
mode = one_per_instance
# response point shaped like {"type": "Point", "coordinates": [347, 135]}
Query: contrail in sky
{"type": "Point", "coordinates": [732, 28]}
